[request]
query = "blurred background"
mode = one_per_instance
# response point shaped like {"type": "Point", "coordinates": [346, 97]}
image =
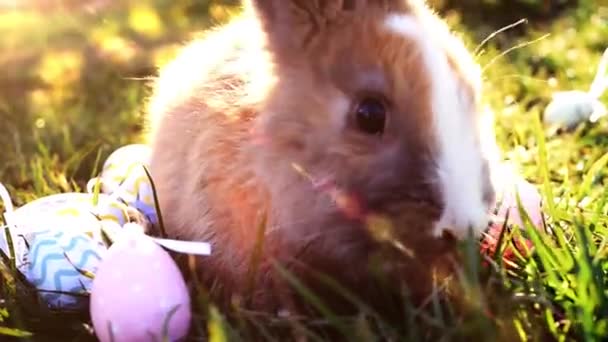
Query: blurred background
{"type": "Point", "coordinates": [72, 79]}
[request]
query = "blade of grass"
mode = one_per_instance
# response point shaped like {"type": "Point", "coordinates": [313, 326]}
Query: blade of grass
{"type": "Point", "coordinates": [96, 163]}
{"type": "Point", "coordinates": [12, 258]}
{"type": "Point", "coordinates": [75, 160]}
{"type": "Point", "coordinates": [543, 165]}
{"type": "Point", "coordinates": [596, 168]}
{"type": "Point", "coordinates": [216, 326]}
{"type": "Point", "coordinates": [165, 330]}
{"type": "Point", "coordinates": [161, 223]}
{"type": "Point", "coordinates": [312, 299]}
{"type": "Point", "coordinates": [5, 331]}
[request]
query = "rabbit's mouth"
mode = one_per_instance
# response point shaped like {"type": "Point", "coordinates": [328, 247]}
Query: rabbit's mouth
{"type": "Point", "coordinates": [399, 203]}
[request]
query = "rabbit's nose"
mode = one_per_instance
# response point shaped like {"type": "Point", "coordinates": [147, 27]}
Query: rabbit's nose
{"type": "Point", "coordinates": [460, 225]}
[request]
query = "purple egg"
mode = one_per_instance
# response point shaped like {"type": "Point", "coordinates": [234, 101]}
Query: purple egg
{"type": "Point", "coordinates": [137, 289]}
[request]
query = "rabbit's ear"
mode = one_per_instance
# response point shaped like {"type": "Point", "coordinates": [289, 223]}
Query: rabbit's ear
{"type": "Point", "coordinates": [290, 24]}
{"type": "Point", "coordinates": [290, 12]}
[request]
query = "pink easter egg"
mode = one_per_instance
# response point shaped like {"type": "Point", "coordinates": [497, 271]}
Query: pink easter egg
{"type": "Point", "coordinates": [530, 200]}
{"type": "Point", "coordinates": [508, 209]}
{"type": "Point", "coordinates": [136, 290]}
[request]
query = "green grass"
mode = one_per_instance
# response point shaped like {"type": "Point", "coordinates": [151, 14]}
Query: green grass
{"type": "Point", "coordinates": [73, 92]}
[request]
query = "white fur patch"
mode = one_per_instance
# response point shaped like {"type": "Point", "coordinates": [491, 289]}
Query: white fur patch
{"type": "Point", "coordinates": [339, 107]}
{"type": "Point", "coordinates": [460, 160]}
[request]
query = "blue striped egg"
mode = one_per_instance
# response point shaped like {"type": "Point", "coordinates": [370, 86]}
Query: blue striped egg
{"type": "Point", "coordinates": [58, 235]}
{"type": "Point", "coordinates": [57, 263]}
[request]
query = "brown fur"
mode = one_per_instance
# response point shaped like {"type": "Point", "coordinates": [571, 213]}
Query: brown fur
{"type": "Point", "coordinates": [238, 108]}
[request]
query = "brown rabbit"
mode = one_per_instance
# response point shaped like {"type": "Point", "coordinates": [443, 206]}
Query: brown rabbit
{"type": "Point", "coordinates": [340, 124]}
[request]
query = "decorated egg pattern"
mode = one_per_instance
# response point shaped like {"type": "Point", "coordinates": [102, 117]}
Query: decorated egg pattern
{"type": "Point", "coordinates": [57, 264]}
{"type": "Point", "coordinates": [124, 176]}
{"type": "Point", "coordinates": [57, 238]}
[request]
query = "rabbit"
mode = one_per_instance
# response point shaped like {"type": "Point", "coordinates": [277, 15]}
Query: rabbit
{"type": "Point", "coordinates": [316, 134]}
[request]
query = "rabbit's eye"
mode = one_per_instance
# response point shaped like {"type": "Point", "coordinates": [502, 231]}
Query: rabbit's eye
{"type": "Point", "coordinates": [371, 116]}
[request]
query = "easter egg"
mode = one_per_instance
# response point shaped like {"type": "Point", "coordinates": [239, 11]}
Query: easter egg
{"type": "Point", "coordinates": [124, 176]}
{"type": "Point", "coordinates": [136, 191]}
{"type": "Point", "coordinates": [121, 162]}
{"type": "Point", "coordinates": [530, 200]}
{"type": "Point", "coordinates": [508, 209]}
{"type": "Point", "coordinates": [28, 218]}
{"type": "Point", "coordinates": [57, 238]}
{"type": "Point", "coordinates": [56, 264]}
{"type": "Point", "coordinates": [138, 291]}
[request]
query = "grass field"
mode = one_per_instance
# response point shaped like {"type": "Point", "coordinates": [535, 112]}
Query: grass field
{"type": "Point", "coordinates": [71, 91]}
